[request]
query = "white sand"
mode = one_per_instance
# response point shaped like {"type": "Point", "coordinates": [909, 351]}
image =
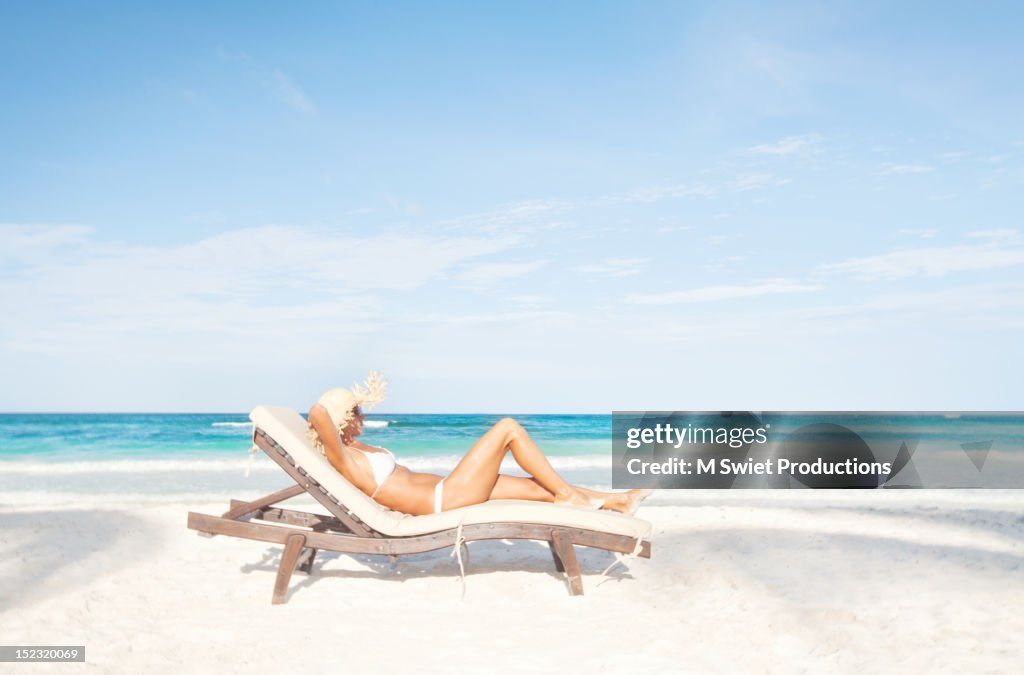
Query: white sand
{"type": "Point", "coordinates": [739, 581]}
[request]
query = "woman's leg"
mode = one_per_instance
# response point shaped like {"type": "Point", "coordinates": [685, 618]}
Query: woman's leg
{"type": "Point", "coordinates": [516, 487]}
{"type": "Point", "coordinates": [523, 448]}
{"type": "Point", "coordinates": [474, 478]}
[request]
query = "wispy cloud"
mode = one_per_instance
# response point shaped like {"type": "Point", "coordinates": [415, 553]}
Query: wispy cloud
{"type": "Point", "coordinates": [730, 292]}
{"type": "Point", "coordinates": [724, 262]}
{"type": "Point", "coordinates": [527, 301]}
{"type": "Point", "coordinates": [666, 229]}
{"type": "Point", "coordinates": [480, 318]}
{"type": "Point", "coordinates": [720, 238]}
{"type": "Point", "coordinates": [290, 93]}
{"type": "Point", "coordinates": [1000, 248]}
{"type": "Point", "coordinates": [216, 297]}
{"type": "Point", "coordinates": [533, 215]}
{"type": "Point", "coordinates": [1003, 235]}
{"type": "Point", "coordinates": [30, 243]}
{"type": "Point", "coordinates": [520, 217]}
{"type": "Point", "coordinates": [647, 195]}
{"type": "Point", "coordinates": [921, 232]}
{"type": "Point", "coordinates": [978, 300]}
{"type": "Point", "coordinates": [757, 181]}
{"type": "Point", "coordinates": [904, 169]}
{"type": "Point", "coordinates": [614, 267]}
{"type": "Point", "coordinates": [482, 275]}
{"type": "Point", "coordinates": [790, 145]}
{"type": "Point", "coordinates": [273, 79]}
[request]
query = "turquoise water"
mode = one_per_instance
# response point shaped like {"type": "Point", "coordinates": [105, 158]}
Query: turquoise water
{"type": "Point", "coordinates": [77, 437]}
{"type": "Point", "coordinates": [166, 457]}
{"type": "Point", "coordinates": [99, 458]}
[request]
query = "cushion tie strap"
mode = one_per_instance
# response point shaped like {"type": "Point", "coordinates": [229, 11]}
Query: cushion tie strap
{"type": "Point", "coordinates": [620, 558]}
{"type": "Point", "coordinates": [459, 541]}
{"type": "Point", "coordinates": [248, 463]}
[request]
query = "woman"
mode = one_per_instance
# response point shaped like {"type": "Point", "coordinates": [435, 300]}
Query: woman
{"type": "Point", "coordinates": [336, 422]}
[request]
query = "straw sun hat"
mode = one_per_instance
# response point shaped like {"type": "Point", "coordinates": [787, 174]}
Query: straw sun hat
{"type": "Point", "coordinates": [341, 403]}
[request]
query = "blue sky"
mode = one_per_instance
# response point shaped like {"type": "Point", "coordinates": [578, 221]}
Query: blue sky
{"type": "Point", "coordinates": [512, 207]}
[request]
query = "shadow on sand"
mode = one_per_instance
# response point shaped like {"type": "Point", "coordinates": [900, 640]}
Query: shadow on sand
{"type": "Point", "coordinates": [42, 545]}
{"type": "Point", "coordinates": [484, 556]}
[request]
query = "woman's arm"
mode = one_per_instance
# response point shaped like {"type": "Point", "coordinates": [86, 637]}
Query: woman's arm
{"type": "Point", "coordinates": [338, 455]}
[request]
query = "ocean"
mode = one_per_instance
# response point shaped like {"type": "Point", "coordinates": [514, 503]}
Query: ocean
{"type": "Point", "coordinates": [104, 458]}
{"type": "Point", "coordinates": [175, 458]}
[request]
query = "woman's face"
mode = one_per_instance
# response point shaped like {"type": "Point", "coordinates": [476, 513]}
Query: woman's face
{"type": "Point", "coordinates": [355, 425]}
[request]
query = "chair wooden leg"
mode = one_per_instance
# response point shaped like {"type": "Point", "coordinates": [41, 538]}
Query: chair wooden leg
{"type": "Point", "coordinates": [284, 571]}
{"type": "Point", "coordinates": [305, 563]}
{"type": "Point", "coordinates": [554, 554]}
{"type": "Point", "coordinates": [563, 549]}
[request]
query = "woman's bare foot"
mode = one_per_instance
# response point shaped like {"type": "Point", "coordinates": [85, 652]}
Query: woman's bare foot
{"type": "Point", "coordinates": [576, 497]}
{"type": "Point", "coordinates": [626, 502]}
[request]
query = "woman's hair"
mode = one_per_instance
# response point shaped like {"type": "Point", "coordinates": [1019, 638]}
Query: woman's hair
{"type": "Point", "coordinates": [341, 404]}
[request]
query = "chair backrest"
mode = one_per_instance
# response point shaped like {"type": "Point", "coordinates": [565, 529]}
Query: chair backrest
{"type": "Point", "coordinates": [288, 428]}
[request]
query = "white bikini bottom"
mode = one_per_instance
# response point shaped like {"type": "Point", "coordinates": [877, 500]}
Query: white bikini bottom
{"type": "Point", "coordinates": [438, 495]}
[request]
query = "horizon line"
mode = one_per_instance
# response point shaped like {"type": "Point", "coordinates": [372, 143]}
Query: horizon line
{"type": "Point", "coordinates": [221, 412]}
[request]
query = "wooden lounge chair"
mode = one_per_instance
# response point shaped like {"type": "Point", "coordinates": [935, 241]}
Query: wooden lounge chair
{"type": "Point", "coordinates": [357, 524]}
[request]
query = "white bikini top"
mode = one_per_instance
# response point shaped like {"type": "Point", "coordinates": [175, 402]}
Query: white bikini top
{"type": "Point", "coordinates": [382, 464]}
